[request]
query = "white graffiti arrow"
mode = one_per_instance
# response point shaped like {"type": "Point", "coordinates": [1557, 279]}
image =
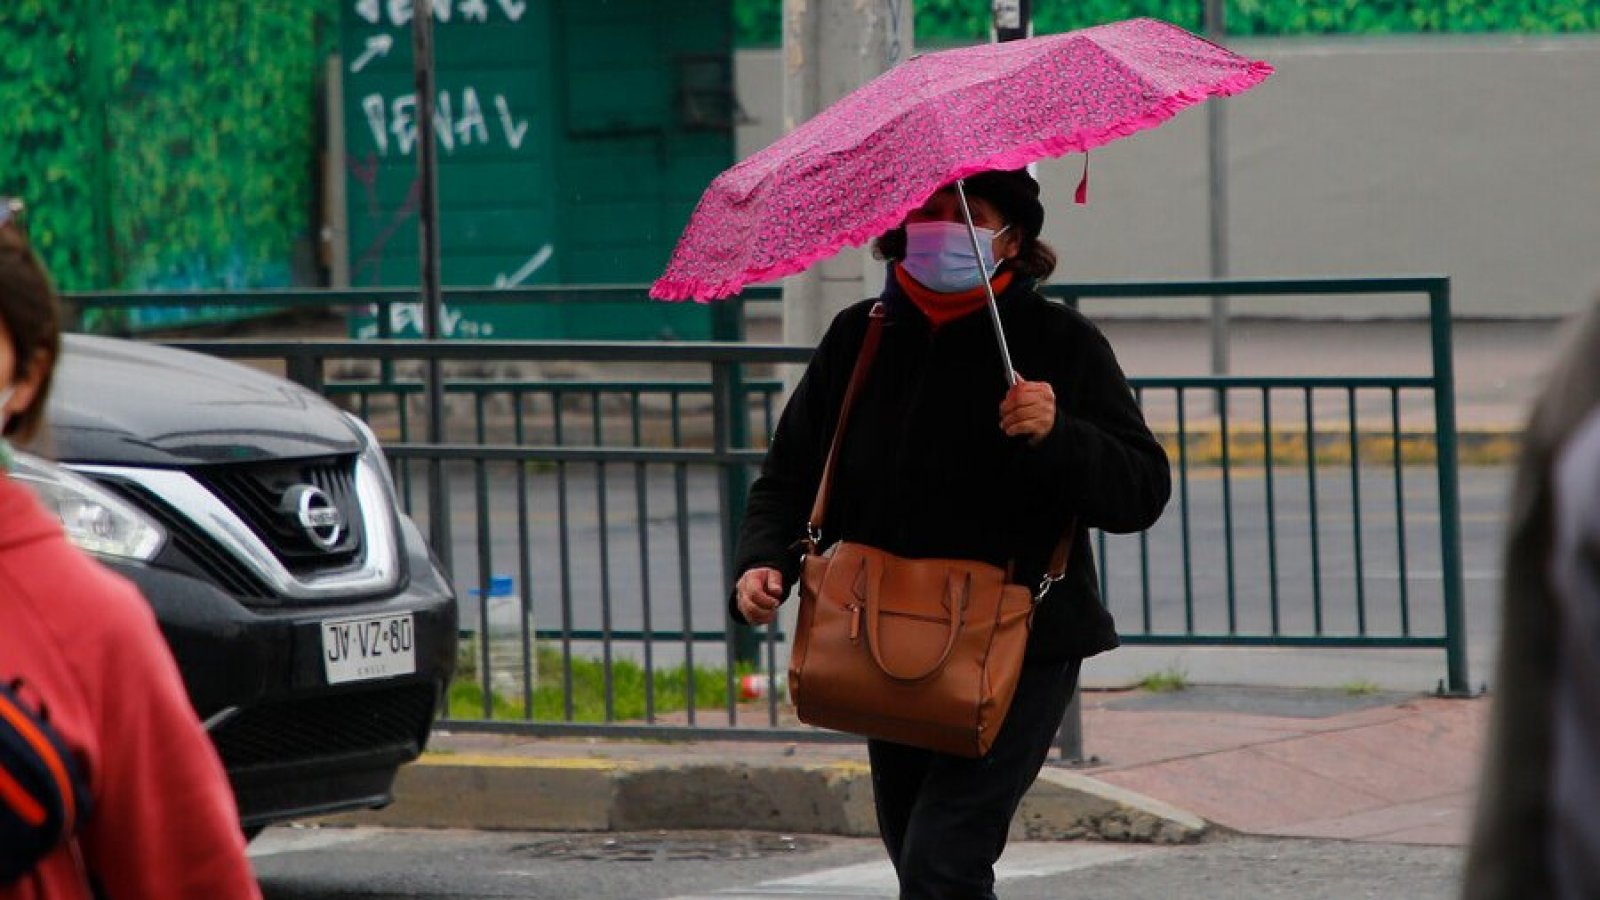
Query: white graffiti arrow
{"type": "Point", "coordinates": [528, 268]}
{"type": "Point", "coordinates": [377, 45]}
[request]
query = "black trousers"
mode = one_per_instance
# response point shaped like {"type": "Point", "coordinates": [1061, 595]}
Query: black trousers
{"type": "Point", "coordinates": [944, 818]}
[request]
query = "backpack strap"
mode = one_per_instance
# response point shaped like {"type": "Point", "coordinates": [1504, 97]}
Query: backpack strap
{"type": "Point", "coordinates": [43, 797]}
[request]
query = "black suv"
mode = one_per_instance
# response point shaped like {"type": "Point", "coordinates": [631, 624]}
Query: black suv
{"type": "Point", "coordinates": [314, 630]}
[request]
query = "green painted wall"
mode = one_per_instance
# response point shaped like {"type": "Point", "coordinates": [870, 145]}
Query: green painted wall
{"type": "Point", "coordinates": [575, 138]}
{"type": "Point", "coordinates": [493, 108]}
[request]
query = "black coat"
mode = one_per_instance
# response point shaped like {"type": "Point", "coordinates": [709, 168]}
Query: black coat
{"type": "Point", "coordinates": [925, 470]}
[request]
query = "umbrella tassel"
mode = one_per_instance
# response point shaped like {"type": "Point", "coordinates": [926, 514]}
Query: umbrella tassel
{"type": "Point", "coordinates": [1081, 197]}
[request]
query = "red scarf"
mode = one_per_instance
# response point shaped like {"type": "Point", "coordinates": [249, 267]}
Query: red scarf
{"type": "Point", "coordinates": [940, 307]}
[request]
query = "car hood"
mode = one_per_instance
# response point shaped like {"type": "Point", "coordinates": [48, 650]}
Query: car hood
{"type": "Point", "coordinates": [118, 402]}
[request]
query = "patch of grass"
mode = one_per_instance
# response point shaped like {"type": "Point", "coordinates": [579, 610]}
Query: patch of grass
{"type": "Point", "coordinates": [1167, 681]}
{"type": "Point", "coordinates": [668, 688]}
{"type": "Point", "coordinates": [1360, 688]}
{"type": "Point", "coordinates": [466, 702]}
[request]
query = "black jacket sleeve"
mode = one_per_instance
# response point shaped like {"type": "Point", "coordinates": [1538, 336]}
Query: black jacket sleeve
{"type": "Point", "coordinates": [1100, 460]}
{"type": "Point", "coordinates": [780, 499]}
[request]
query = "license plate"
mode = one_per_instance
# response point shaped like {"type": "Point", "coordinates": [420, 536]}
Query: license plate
{"type": "Point", "coordinates": [368, 647]}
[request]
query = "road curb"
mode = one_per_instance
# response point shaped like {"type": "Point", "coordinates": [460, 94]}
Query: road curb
{"type": "Point", "coordinates": [1287, 447]}
{"type": "Point", "coordinates": [504, 793]}
{"type": "Point", "coordinates": [1066, 805]}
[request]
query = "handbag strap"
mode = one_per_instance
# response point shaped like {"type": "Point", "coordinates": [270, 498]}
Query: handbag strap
{"type": "Point", "coordinates": [869, 350]}
{"type": "Point", "coordinates": [1059, 558]}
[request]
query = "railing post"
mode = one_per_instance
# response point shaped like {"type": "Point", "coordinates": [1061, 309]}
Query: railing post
{"type": "Point", "coordinates": [731, 491]}
{"type": "Point", "coordinates": [1069, 737]}
{"type": "Point", "coordinates": [1444, 417]}
{"type": "Point", "coordinates": [383, 309]}
{"type": "Point", "coordinates": [304, 367]}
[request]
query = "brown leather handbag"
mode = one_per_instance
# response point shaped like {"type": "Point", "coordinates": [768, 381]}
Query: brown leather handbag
{"type": "Point", "coordinates": [925, 652]}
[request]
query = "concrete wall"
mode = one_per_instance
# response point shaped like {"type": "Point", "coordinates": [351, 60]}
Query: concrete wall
{"type": "Point", "coordinates": [1474, 158]}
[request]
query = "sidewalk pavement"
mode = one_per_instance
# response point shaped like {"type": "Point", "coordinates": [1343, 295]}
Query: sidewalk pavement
{"type": "Point", "coordinates": [1166, 768]}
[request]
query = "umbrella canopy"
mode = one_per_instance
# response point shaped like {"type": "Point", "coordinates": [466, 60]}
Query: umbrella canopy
{"type": "Point", "coordinates": [856, 169]}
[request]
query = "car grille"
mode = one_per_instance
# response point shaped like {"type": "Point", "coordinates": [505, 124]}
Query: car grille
{"type": "Point", "coordinates": [259, 493]}
{"type": "Point", "coordinates": [329, 726]}
{"type": "Point", "coordinates": [204, 557]}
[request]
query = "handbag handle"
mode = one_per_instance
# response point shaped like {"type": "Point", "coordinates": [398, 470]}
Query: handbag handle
{"type": "Point", "coordinates": [1059, 558]}
{"type": "Point", "coordinates": [957, 608]}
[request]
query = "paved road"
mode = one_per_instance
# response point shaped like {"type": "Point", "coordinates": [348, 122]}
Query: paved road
{"type": "Point", "coordinates": [374, 864]}
{"type": "Point", "coordinates": [591, 575]}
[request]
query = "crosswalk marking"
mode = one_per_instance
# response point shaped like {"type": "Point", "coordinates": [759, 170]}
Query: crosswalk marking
{"type": "Point", "coordinates": [876, 879]}
{"type": "Point", "coordinates": [301, 840]}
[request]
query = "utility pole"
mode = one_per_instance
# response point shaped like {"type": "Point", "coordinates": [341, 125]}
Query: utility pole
{"type": "Point", "coordinates": [428, 254]}
{"type": "Point", "coordinates": [1013, 20]}
{"type": "Point", "coordinates": [830, 48]}
{"type": "Point", "coordinates": [1217, 166]}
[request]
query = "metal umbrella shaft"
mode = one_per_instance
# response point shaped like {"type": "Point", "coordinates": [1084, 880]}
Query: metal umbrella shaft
{"type": "Point", "coordinates": [988, 289]}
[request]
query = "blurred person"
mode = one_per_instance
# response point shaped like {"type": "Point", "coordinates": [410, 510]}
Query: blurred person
{"type": "Point", "coordinates": [942, 459]}
{"type": "Point", "coordinates": [81, 649]}
{"type": "Point", "coordinates": [1537, 832]}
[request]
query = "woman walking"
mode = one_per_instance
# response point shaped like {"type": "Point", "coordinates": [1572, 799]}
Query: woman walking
{"type": "Point", "coordinates": [942, 459]}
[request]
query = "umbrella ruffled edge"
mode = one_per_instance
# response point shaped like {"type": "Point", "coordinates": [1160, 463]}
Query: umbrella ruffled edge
{"type": "Point", "coordinates": [680, 289]}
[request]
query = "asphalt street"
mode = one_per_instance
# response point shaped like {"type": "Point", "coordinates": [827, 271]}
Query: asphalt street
{"type": "Point", "coordinates": [378, 864]}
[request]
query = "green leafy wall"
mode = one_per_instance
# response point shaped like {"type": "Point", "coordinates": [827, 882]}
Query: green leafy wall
{"type": "Point", "coordinates": [164, 144]}
{"type": "Point", "coordinates": [45, 139]}
{"type": "Point", "coordinates": [759, 21]}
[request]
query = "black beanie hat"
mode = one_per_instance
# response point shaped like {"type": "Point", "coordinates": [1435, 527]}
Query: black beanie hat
{"type": "Point", "coordinates": [1014, 194]}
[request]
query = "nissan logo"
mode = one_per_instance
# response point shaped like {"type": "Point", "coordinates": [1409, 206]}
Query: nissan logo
{"type": "Point", "coordinates": [316, 515]}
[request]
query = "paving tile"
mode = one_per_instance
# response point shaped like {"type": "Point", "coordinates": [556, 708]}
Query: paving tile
{"type": "Point", "coordinates": [1368, 774]}
{"type": "Point", "coordinates": [1389, 761]}
{"type": "Point", "coordinates": [1246, 790]}
{"type": "Point", "coordinates": [1123, 740]}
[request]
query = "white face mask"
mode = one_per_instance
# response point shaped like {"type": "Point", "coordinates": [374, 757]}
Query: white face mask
{"type": "Point", "coordinates": [939, 256]}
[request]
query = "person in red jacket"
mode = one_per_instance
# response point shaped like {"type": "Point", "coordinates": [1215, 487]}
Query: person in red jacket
{"type": "Point", "coordinates": [83, 650]}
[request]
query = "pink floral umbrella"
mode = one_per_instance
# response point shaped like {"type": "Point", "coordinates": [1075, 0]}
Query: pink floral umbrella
{"type": "Point", "coordinates": [856, 169]}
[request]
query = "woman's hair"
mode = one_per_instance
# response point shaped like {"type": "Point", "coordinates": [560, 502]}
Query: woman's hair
{"type": "Point", "coordinates": [1035, 258]}
{"type": "Point", "coordinates": [31, 315]}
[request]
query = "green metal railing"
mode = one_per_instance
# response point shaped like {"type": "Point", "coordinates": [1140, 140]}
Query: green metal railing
{"type": "Point", "coordinates": [1231, 564]}
{"type": "Point", "coordinates": [1438, 385]}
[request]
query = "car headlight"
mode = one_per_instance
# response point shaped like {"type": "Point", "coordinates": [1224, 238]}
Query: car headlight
{"type": "Point", "coordinates": [94, 519]}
